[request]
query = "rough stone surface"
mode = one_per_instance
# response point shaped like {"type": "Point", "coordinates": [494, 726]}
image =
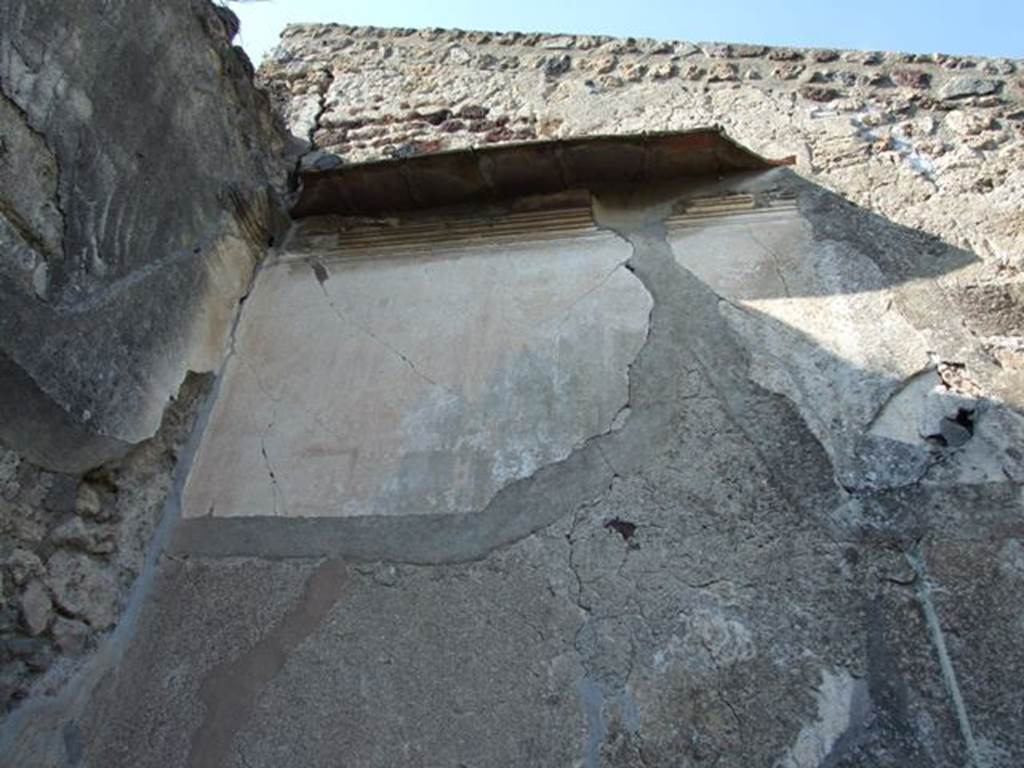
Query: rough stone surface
{"type": "Point", "coordinates": [36, 608]}
{"type": "Point", "coordinates": [82, 588]}
{"type": "Point", "coordinates": [134, 205]}
{"type": "Point", "coordinates": [76, 544]}
{"type": "Point", "coordinates": [962, 87]}
{"type": "Point", "coordinates": [139, 177]}
{"type": "Point", "coordinates": [800, 545]}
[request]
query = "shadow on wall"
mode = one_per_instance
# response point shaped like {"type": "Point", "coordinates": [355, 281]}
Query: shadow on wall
{"type": "Point", "coordinates": [860, 323]}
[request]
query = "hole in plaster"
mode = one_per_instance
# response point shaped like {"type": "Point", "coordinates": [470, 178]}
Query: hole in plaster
{"type": "Point", "coordinates": [624, 528]}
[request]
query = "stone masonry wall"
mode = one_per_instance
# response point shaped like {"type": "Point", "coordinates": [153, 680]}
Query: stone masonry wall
{"type": "Point", "coordinates": [139, 172]}
{"type": "Point", "coordinates": [73, 547]}
{"type": "Point", "coordinates": [932, 142]}
{"type": "Point", "coordinates": [146, 183]}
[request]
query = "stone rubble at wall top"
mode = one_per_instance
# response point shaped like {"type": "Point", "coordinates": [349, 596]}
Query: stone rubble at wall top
{"type": "Point", "coordinates": [931, 141]}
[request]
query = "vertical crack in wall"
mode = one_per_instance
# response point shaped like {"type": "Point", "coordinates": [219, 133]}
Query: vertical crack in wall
{"type": "Point", "coordinates": [924, 595]}
{"type": "Point", "coordinates": [278, 492]}
{"type": "Point", "coordinates": [589, 690]}
{"type": "Point", "coordinates": [773, 257]}
{"type": "Point", "coordinates": [323, 89]}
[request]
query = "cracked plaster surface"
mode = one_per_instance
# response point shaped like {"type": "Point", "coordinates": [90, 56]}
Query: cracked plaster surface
{"type": "Point", "coordinates": [714, 596]}
{"type": "Point", "coordinates": [435, 383]}
{"type": "Point", "coordinates": [723, 578]}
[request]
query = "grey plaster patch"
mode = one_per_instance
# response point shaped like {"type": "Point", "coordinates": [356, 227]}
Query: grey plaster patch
{"type": "Point", "coordinates": [236, 605]}
{"type": "Point", "coordinates": [410, 665]}
{"type": "Point", "coordinates": [229, 692]}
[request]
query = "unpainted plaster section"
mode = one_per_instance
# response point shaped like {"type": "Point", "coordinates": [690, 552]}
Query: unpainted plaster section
{"type": "Point", "coordinates": [402, 386]}
{"type": "Point", "coordinates": [801, 339]}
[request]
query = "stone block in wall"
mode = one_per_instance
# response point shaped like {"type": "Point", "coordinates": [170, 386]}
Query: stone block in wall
{"type": "Point", "coordinates": [139, 173]}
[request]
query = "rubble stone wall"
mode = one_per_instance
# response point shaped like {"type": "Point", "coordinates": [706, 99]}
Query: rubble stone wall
{"type": "Point", "coordinates": [932, 142]}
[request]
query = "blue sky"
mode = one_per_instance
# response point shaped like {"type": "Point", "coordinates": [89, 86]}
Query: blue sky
{"type": "Point", "coordinates": [994, 28]}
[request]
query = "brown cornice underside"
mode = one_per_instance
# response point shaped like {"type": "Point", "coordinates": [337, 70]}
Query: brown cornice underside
{"type": "Point", "coordinates": [506, 171]}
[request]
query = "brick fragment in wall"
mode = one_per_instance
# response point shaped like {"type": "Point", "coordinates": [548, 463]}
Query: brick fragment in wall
{"type": "Point", "coordinates": [819, 93]}
{"type": "Point", "coordinates": [912, 78]}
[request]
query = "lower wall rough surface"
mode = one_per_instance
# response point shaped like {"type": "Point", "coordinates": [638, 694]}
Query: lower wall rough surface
{"type": "Point", "coordinates": [719, 580]}
{"type": "Point", "coordinates": [73, 546]}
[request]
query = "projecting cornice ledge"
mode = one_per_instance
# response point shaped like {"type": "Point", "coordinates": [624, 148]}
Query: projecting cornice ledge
{"type": "Point", "coordinates": [512, 170]}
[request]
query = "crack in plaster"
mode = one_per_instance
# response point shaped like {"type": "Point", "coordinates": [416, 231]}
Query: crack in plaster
{"type": "Point", "coordinates": [565, 313]}
{"type": "Point", "coordinates": [346, 319]}
{"type": "Point", "coordinates": [773, 257]}
{"type": "Point", "coordinates": [923, 588]}
{"type": "Point", "coordinates": [278, 491]}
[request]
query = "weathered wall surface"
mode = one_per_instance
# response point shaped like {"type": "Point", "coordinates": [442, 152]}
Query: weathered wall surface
{"type": "Point", "coordinates": [150, 165]}
{"type": "Point", "coordinates": [800, 546]}
{"type": "Point", "coordinates": [800, 549]}
{"type": "Point", "coordinates": [931, 142]}
{"type": "Point", "coordinates": [138, 167]}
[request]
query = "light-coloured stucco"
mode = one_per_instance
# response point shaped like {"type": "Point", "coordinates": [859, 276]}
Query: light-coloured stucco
{"type": "Point", "coordinates": [411, 383]}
